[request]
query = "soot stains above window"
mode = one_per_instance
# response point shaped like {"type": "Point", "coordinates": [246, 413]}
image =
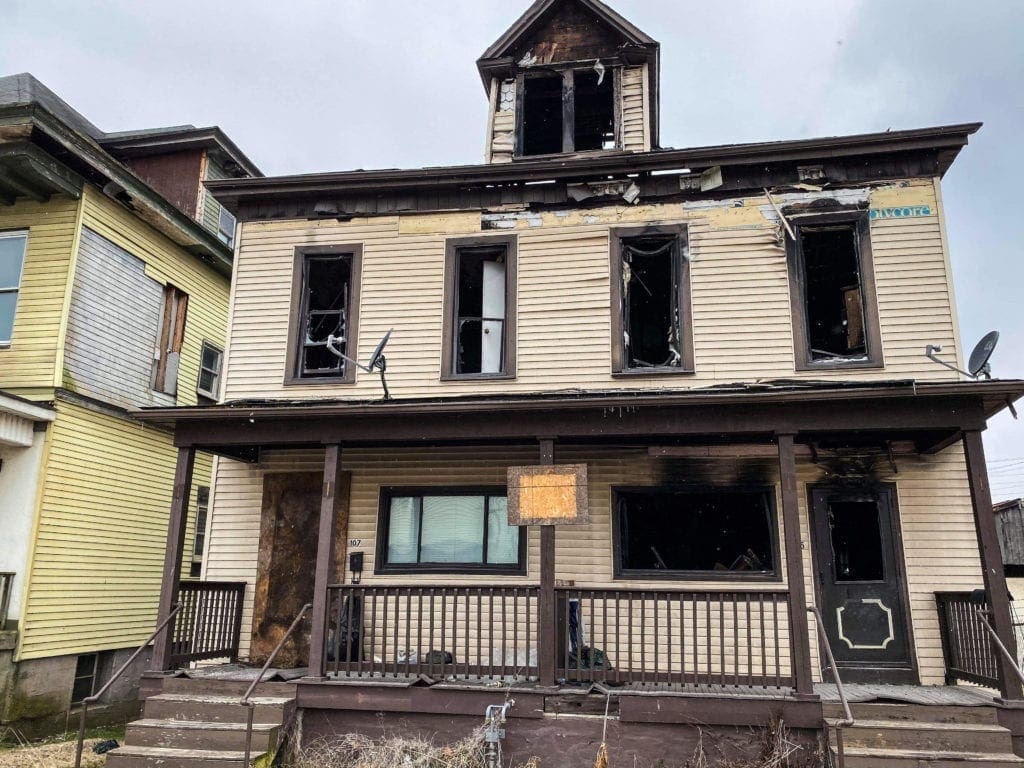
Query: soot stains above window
{"type": "Point", "coordinates": [834, 293]}
{"type": "Point", "coordinates": [668, 531]}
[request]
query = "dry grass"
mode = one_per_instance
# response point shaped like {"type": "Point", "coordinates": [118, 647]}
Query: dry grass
{"type": "Point", "coordinates": [60, 755]}
{"type": "Point", "coordinates": [357, 751]}
{"type": "Point", "coordinates": [778, 750]}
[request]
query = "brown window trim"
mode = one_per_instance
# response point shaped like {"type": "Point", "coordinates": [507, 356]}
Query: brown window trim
{"type": "Point", "coordinates": [619, 369]}
{"type": "Point", "coordinates": [448, 354]}
{"type": "Point", "coordinates": [568, 109]}
{"type": "Point", "coordinates": [291, 374]}
{"type": "Point", "coordinates": [797, 298]}
{"type": "Point", "coordinates": [380, 566]}
{"type": "Point", "coordinates": [621, 574]}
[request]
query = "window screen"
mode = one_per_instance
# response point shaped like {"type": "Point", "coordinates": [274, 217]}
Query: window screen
{"type": "Point", "coordinates": [708, 531]}
{"type": "Point", "coordinates": [12, 259]}
{"type": "Point", "coordinates": [450, 529]}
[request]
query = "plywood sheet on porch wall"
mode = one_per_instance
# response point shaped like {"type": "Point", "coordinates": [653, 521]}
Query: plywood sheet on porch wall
{"type": "Point", "coordinates": [287, 559]}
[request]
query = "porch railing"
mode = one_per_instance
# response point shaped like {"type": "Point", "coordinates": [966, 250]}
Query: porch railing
{"type": "Point", "coordinates": [616, 636]}
{"type": "Point", "coordinates": [966, 645]}
{"type": "Point", "coordinates": [209, 625]}
{"type": "Point", "coordinates": [668, 636]}
{"type": "Point", "coordinates": [440, 632]}
{"type": "Point", "coordinates": [6, 585]}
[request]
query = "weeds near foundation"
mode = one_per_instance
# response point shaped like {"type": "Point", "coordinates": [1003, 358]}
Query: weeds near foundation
{"type": "Point", "coordinates": [778, 750]}
{"type": "Point", "coordinates": [358, 751]}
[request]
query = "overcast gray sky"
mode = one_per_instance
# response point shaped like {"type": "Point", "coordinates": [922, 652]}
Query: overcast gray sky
{"type": "Point", "coordinates": [311, 85]}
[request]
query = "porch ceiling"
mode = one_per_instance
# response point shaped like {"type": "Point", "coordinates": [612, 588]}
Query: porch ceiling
{"type": "Point", "coordinates": [930, 415]}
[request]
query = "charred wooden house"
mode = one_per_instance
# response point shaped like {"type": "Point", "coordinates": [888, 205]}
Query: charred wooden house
{"type": "Point", "coordinates": [647, 406]}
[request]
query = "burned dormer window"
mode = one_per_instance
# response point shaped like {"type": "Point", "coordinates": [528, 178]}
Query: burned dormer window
{"type": "Point", "coordinates": [567, 111]}
{"type": "Point", "coordinates": [835, 323]}
{"type": "Point", "coordinates": [651, 322]}
{"type": "Point", "coordinates": [326, 300]}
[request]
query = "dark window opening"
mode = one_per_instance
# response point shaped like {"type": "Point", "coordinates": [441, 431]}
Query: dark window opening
{"type": "Point", "coordinates": [652, 327]}
{"type": "Point", "coordinates": [856, 541]}
{"type": "Point", "coordinates": [480, 313]}
{"type": "Point", "coordinates": [449, 530]}
{"type": "Point", "coordinates": [85, 677]}
{"type": "Point", "coordinates": [681, 531]}
{"type": "Point", "coordinates": [594, 110]}
{"type": "Point", "coordinates": [326, 315]}
{"type": "Point", "coordinates": [542, 114]}
{"type": "Point", "coordinates": [834, 294]}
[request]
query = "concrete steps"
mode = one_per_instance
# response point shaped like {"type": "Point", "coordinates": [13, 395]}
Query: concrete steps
{"type": "Point", "coordinates": [200, 724]}
{"type": "Point", "coordinates": [918, 736]}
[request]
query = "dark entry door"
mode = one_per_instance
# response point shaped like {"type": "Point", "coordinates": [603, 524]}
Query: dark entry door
{"type": "Point", "coordinates": [861, 583]}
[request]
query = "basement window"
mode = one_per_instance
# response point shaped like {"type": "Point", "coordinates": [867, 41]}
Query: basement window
{"type": "Point", "coordinates": [84, 684]}
{"type": "Point", "coordinates": [327, 288]}
{"type": "Point", "coordinates": [832, 286]}
{"type": "Point", "coordinates": [167, 357]}
{"type": "Point", "coordinates": [695, 533]}
{"type": "Point", "coordinates": [651, 301]}
{"type": "Point", "coordinates": [449, 531]}
{"type": "Point", "coordinates": [480, 308]}
{"type": "Point", "coordinates": [583, 100]}
{"type": "Point", "coordinates": [12, 260]}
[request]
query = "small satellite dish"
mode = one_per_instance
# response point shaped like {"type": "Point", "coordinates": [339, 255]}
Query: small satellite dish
{"type": "Point", "coordinates": [376, 362]}
{"type": "Point", "coordinates": [978, 364]}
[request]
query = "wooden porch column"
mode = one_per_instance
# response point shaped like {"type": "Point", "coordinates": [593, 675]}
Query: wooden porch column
{"type": "Point", "coordinates": [176, 525]}
{"type": "Point", "coordinates": [799, 640]}
{"type": "Point", "coordinates": [548, 621]}
{"type": "Point", "coordinates": [991, 561]}
{"type": "Point", "coordinates": [324, 560]}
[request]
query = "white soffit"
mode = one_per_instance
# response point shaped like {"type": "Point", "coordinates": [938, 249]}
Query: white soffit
{"type": "Point", "coordinates": [17, 420]}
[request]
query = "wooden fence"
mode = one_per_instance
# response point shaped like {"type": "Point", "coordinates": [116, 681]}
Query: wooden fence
{"type": "Point", "coordinates": [966, 644]}
{"type": "Point", "coordinates": [209, 625]}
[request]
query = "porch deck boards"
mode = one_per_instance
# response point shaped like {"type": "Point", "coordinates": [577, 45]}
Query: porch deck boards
{"type": "Point", "coordinates": [935, 695]}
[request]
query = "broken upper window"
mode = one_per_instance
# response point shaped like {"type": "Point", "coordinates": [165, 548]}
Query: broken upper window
{"type": "Point", "coordinates": [673, 532]}
{"type": "Point", "coordinates": [582, 99]}
{"type": "Point", "coordinates": [834, 322]}
{"type": "Point", "coordinates": [167, 357]}
{"type": "Point", "coordinates": [652, 292]}
{"type": "Point", "coordinates": [327, 316]}
{"type": "Point", "coordinates": [479, 332]}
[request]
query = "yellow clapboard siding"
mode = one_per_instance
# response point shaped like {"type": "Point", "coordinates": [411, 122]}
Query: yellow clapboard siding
{"type": "Point", "coordinates": [32, 358]}
{"type": "Point", "coordinates": [99, 548]}
{"type": "Point", "coordinates": [635, 137]}
{"type": "Point", "coordinates": [168, 263]}
{"type": "Point", "coordinates": [933, 497]}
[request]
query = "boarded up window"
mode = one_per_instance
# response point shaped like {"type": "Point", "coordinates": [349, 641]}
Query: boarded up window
{"type": "Point", "coordinates": [172, 334]}
{"type": "Point", "coordinates": [665, 531]}
{"type": "Point", "coordinates": [12, 259]}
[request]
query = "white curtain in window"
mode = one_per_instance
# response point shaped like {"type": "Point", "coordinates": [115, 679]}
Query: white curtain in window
{"type": "Point", "coordinates": [453, 529]}
{"type": "Point", "coordinates": [502, 538]}
{"type": "Point", "coordinates": [403, 530]}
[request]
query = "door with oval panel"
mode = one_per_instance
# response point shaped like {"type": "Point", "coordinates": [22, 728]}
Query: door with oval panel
{"type": "Point", "coordinates": [861, 583]}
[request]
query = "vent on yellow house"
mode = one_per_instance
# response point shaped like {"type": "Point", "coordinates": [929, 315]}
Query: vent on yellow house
{"type": "Point", "coordinates": [548, 495]}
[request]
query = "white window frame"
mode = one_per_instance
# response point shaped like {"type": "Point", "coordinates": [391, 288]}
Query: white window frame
{"type": "Point", "coordinates": [226, 237]}
{"type": "Point", "coordinates": [217, 374]}
{"type": "Point", "coordinates": [15, 289]}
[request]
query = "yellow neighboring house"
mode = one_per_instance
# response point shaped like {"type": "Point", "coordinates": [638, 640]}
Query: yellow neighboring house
{"type": "Point", "coordinates": [115, 270]}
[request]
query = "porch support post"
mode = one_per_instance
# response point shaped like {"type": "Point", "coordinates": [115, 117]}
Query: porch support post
{"type": "Point", "coordinates": [991, 561]}
{"type": "Point", "coordinates": [799, 639]}
{"type": "Point", "coordinates": [176, 525]}
{"type": "Point", "coordinates": [548, 621]}
{"type": "Point", "coordinates": [324, 560]}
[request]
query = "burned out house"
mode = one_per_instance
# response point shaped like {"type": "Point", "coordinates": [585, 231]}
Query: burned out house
{"type": "Point", "coordinates": [595, 418]}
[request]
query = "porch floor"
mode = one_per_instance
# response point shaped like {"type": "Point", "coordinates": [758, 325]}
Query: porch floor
{"type": "Point", "coordinates": [935, 695]}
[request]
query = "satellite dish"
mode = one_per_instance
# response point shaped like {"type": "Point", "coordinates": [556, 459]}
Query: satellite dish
{"type": "Point", "coordinates": [978, 364]}
{"type": "Point", "coordinates": [377, 360]}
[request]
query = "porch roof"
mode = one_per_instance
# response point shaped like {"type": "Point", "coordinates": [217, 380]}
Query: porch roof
{"type": "Point", "coordinates": [930, 414]}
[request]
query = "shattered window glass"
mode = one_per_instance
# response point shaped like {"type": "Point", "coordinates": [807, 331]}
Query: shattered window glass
{"type": "Point", "coordinates": [652, 324]}
{"type": "Point", "coordinates": [327, 286]}
{"type": "Point", "coordinates": [833, 295]}
{"type": "Point", "coordinates": [717, 530]}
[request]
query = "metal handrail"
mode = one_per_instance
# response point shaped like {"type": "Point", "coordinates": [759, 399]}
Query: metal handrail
{"type": "Point", "coordinates": [97, 696]}
{"type": "Point", "coordinates": [983, 615]}
{"type": "Point", "coordinates": [848, 720]}
{"type": "Point", "coordinates": [245, 702]}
